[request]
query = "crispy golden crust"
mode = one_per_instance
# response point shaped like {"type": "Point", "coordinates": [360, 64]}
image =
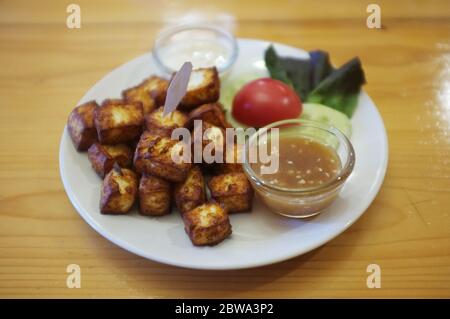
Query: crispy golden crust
{"type": "Point", "coordinates": [137, 94]}
{"type": "Point", "coordinates": [212, 113]}
{"type": "Point", "coordinates": [119, 191]}
{"type": "Point", "coordinates": [207, 224]}
{"type": "Point", "coordinates": [233, 191]}
{"type": "Point", "coordinates": [118, 121]}
{"type": "Point", "coordinates": [153, 156]}
{"type": "Point", "coordinates": [103, 157]}
{"type": "Point", "coordinates": [157, 86]}
{"type": "Point", "coordinates": [163, 126]}
{"type": "Point", "coordinates": [203, 88]}
{"type": "Point", "coordinates": [190, 193]}
{"type": "Point", "coordinates": [81, 125]}
{"type": "Point", "coordinates": [154, 196]}
{"type": "Point", "coordinates": [151, 92]}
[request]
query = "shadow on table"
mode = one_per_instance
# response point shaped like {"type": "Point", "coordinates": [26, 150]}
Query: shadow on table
{"type": "Point", "coordinates": [152, 279]}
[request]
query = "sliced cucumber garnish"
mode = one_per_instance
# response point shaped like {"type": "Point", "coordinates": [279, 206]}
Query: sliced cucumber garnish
{"type": "Point", "coordinates": [324, 114]}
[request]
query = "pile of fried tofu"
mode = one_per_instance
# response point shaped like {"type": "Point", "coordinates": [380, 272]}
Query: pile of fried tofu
{"type": "Point", "coordinates": [128, 143]}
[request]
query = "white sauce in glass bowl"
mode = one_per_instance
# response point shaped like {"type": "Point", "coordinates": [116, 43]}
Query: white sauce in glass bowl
{"type": "Point", "coordinates": [203, 46]}
{"type": "Point", "coordinates": [201, 54]}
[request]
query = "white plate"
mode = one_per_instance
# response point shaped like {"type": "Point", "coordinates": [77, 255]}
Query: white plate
{"type": "Point", "coordinates": [259, 238]}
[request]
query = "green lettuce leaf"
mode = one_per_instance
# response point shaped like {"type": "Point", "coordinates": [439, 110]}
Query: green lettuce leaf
{"type": "Point", "coordinates": [275, 67]}
{"type": "Point", "coordinates": [316, 81]}
{"type": "Point", "coordinates": [320, 67]}
{"type": "Point", "coordinates": [298, 72]}
{"type": "Point", "coordinates": [340, 89]}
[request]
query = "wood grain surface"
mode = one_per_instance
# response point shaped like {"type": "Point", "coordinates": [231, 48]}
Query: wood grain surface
{"type": "Point", "coordinates": [46, 68]}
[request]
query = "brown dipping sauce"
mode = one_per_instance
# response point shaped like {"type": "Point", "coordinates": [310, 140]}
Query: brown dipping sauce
{"type": "Point", "coordinates": [314, 161]}
{"type": "Point", "coordinates": [303, 163]}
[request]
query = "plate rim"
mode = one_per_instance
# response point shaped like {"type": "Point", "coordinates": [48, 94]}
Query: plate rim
{"type": "Point", "coordinates": [296, 252]}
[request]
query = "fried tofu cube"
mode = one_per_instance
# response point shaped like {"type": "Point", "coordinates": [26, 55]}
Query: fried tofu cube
{"type": "Point", "coordinates": [137, 94]}
{"type": "Point", "coordinates": [157, 86]}
{"type": "Point", "coordinates": [233, 161]}
{"type": "Point", "coordinates": [153, 156]}
{"type": "Point", "coordinates": [203, 88]}
{"type": "Point", "coordinates": [207, 224]}
{"type": "Point", "coordinates": [103, 157]}
{"type": "Point", "coordinates": [118, 121]}
{"type": "Point", "coordinates": [151, 92]}
{"type": "Point", "coordinates": [190, 193]}
{"type": "Point", "coordinates": [81, 125]}
{"type": "Point", "coordinates": [154, 196]}
{"type": "Point", "coordinates": [233, 191]}
{"type": "Point", "coordinates": [212, 113]}
{"type": "Point", "coordinates": [119, 191]}
{"type": "Point", "coordinates": [158, 124]}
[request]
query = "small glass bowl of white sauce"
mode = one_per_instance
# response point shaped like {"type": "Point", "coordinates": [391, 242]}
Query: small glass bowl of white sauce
{"type": "Point", "coordinates": [202, 45]}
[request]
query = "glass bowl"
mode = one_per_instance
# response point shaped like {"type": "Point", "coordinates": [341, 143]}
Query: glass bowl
{"type": "Point", "coordinates": [306, 201]}
{"type": "Point", "coordinates": [202, 45]}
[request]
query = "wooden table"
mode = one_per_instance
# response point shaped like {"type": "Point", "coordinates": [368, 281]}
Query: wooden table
{"type": "Point", "coordinates": [46, 68]}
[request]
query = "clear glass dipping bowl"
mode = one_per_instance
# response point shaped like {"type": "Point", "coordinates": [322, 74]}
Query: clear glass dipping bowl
{"type": "Point", "coordinates": [302, 202]}
{"type": "Point", "coordinates": [202, 45]}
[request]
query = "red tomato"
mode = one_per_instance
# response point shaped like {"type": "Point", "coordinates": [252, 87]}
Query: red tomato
{"type": "Point", "coordinates": [264, 101]}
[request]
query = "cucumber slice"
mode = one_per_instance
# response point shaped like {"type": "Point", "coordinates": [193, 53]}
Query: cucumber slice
{"type": "Point", "coordinates": [324, 114]}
